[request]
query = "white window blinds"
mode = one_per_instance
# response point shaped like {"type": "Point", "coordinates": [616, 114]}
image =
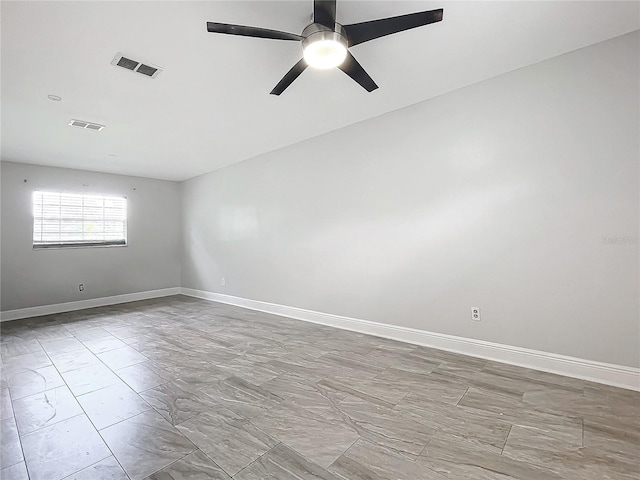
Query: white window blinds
{"type": "Point", "coordinates": [71, 220]}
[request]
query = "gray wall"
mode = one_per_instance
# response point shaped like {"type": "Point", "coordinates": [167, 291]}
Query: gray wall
{"type": "Point", "coordinates": [150, 261]}
{"type": "Point", "coordinates": [516, 195]}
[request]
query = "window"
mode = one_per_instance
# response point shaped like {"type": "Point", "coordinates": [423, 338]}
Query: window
{"type": "Point", "coordinates": [76, 220]}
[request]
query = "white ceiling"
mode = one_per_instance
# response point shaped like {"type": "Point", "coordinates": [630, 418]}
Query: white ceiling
{"type": "Point", "coordinates": [211, 106]}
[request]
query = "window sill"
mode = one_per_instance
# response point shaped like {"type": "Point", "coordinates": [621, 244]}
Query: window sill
{"type": "Point", "coordinates": [73, 247]}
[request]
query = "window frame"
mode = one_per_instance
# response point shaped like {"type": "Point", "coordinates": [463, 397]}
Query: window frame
{"type": "Point", "coordinates": [78, 244]}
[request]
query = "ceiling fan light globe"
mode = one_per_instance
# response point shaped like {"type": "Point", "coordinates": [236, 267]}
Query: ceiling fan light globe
{"type": "Point", "coordinates": [323, 48]}
{"type": "Point", "coordinates": [325, 54]}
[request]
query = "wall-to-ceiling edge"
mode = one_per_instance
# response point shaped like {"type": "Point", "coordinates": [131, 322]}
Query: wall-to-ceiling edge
{"type": "Point", "coordinates": [609, 374]}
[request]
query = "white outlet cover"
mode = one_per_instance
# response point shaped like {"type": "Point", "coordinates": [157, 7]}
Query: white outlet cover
{"type": "Point", "coordinates": [475, 314]}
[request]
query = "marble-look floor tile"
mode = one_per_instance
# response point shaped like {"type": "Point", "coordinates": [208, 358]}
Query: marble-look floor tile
{"type": "Point", "coordinates": [609, 436]}
{"type": "Point", "coordinates": [318, 439]}
{"type": "Point", "coordinates": [301, 366]}
{"type": "Point", "coordinates": [348, 366]}
{"type": "Point", "coordinates": [256, 373]}
{"type": "Point", "coordinates": [307, 395]}
{"type": "Point", "coordinates": [47, 333]}
{"type": "Point", "coordinates": [377, 390]}
{"type": "Point", "coordinates": [436, 391]}
{"type": "Point", "coordinates": [17, 471]}
{"type": "Point", "coordinates": [104, 344]}
{"type": "Point", "coordinates": [89, 379]}
{"type": "Point", "coordinates": [381, 343]}
{"type": "Point", "coordinates": [24, 382]}
{"type": "Point", "coordinates": [107, 469]}
{"type": "Point", "coordinates": [145, 444]}
{"type": "Point", "coordinates": [56, 347]}
{"type": "Point", "coordinates": [478, 379]}
{"type": "Point", "coordinates": [241, 397]}
{"type": "Point", "coordinates": [229, 439]}
{"type": "Point", "coordinates": [67, 362]}
{"type": "Point", "coordinates": [443, 357]}
{"type": "Point", "coordinates": [401, 361]}
{"type": "Point", "coordinates": [460, 461]}
{"type": "Point", "coordinates": [197, 374]}
{"type": "Point", "coordinates": [3, 378]}
{"type": "Point", "coordinates": [282, 463]}
{"type": "Point", "coordinates": [124, 331]}
{"type": "Point", "coordinates": [195, 466]}
{"type": "Point", "coordinates": [368, 461]}
{"type": "Point", "coordinates": [90, 333]}
{"type": "Point", "coordinates": [45, 408]}
{"type": "Point", "coordinates": [534, 380]}
{"type": "Point", "coordinates": [177, 401]}
{"type": "Point", "coordinates": [619, 402]}
{"type": "Point", "coordinates": [6, 410]}
{"type": "Point", "coordinates": [625, 414]}
{"type": "Point", "coordinates": [552, 423]}
{"type": "Point", "coordinates": [64, 448]}
{"type": "Point", "coordinates": [112, 404]}
{"type": "Point", "coordinates": [478, 427]}
{"type": "Point", "coordinates": [28, 361]}
{"type": "Point", "coordinates": [10, 449]}
{"type": "Point", "coordinates": [403, 432]}
{"type": "Point", "coordinates": [143, 376]}
{"type": "Point", "coordinates": [534, 446]}
{"type": "Point", "coordinates": [401, 381]}
{"type": "Point", "coordinates": [16, 348]}
{"type": "Point", "coordinates": [343, 388]}
{"type": "Point", "coordinates": [122, 357]}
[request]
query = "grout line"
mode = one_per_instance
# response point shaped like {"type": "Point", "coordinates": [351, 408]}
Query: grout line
{"type": "Point", "coordinates": [463, 395]}
{"type": "Point", "coordinates": [254, 461]}
{"type": "Point", "coordinates": [427, 444]}
{"type": "Point", "coordinates": [172, 463]}
{"type": "Point", "coordinates": [89, 466]}
{"type": "Point", "coordinates": [15, 421]}
{"type": "Point", "coordinates": [348, 448]}
{"type": "Point", "coordinates": [217, 465]}
{"type": "Point", "coordinates": [506, 439]}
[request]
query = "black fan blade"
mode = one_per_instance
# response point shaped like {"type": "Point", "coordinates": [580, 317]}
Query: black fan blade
{"type": "Point", "coordinates": [351, 67]}
{"type": "Point", "coordinates": [324, 12]}
{"type": "Point", "coordinates": [250, 31]}
{"type": "Point", "coordinates": [365, 31]}
{"type": "Point", "coordinates": [288, 79]}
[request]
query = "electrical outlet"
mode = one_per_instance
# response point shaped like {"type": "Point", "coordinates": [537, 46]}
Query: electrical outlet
{"type": "Point", "coordinates": [475, 314]}
{"type": "Point", "coordinates": [81, 287]}
{"type": "Point", "coordinates": [223, 281]}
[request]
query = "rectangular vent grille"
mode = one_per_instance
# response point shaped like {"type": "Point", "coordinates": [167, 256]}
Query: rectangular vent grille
{"type": "Point", "coordinates": [127, 63]}
{"type": "Point", "coordinates": [86, 125]}
{"type": "Point", "coordinates": [136, 66]}
{"type": "Point", "coordinates": [147, 70]}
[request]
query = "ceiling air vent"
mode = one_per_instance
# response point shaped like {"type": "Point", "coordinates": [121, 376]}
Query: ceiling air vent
{"type": "Point", "coordinates": [136, 66]}
{"type": "Point", "coordinates": [86, 125]}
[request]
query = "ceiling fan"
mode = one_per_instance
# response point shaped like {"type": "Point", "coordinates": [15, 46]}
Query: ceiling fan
{"type": "Point", "coordinates": [325, 43]}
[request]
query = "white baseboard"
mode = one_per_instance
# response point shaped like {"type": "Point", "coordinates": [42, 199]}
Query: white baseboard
{"type": "Point", "coordinates": [609, 374]}
{"type": "Point", "coordinates": [82, 304]}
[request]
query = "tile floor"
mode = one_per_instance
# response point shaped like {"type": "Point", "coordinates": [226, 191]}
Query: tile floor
{"type": "Point", "coordinates": [179, 388]}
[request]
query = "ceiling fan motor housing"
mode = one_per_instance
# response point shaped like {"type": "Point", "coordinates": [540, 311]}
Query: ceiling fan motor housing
{"type": "Point", "coordinates": [323, 47]}
{"type": "Point", "coordinates": [316, 32]}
